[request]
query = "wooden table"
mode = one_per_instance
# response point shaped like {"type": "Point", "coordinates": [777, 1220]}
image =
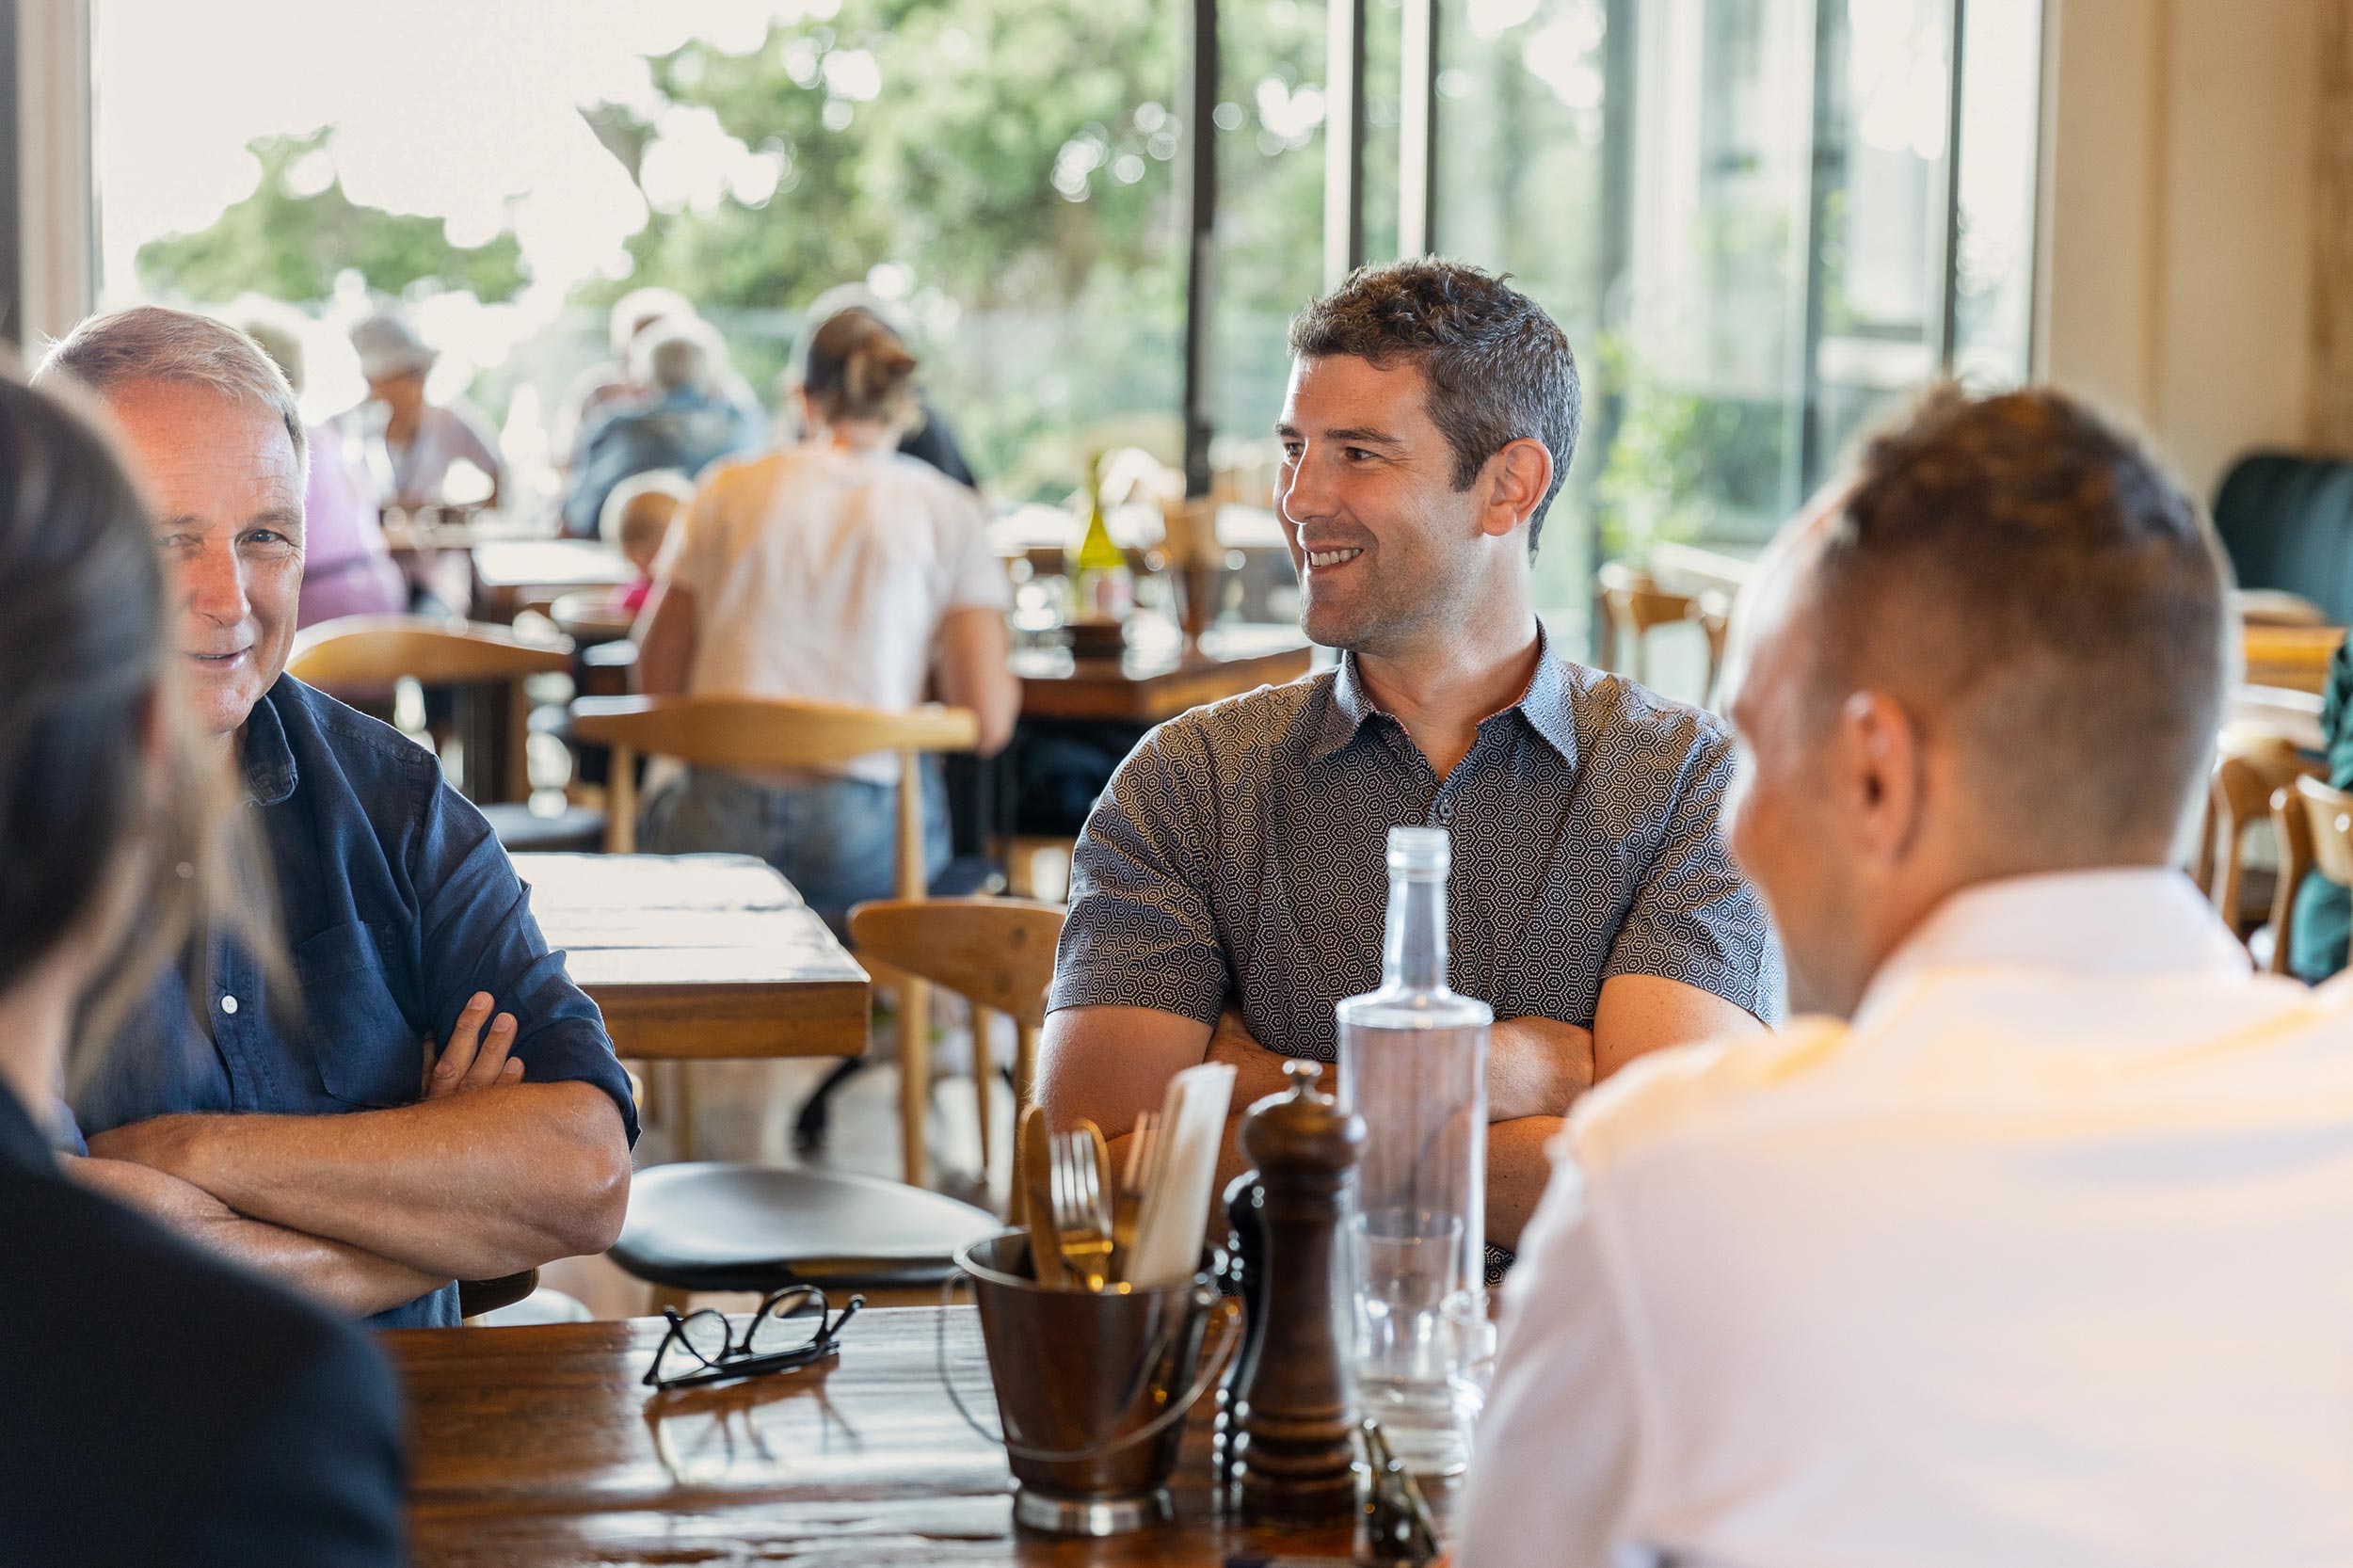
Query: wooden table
{"type": "Point", "coordinates": [699, 957]}
{"type": "Point", "coordinates": [1154, 681]}
{"type": "Point", "coordinates": [509, 574]}
{"type": "Point", "coordinates": [539, 1446]}
{"type": "Point", "coordinates": [2295, 657]}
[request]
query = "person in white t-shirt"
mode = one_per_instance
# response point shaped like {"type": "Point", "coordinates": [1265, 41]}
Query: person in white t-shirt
{"type": "Point", "coordinates": [841, 571]}
{"type": "Point", "coordinates": [2033, 1249]}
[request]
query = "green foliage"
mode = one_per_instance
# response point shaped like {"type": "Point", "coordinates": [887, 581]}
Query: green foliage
{"type": "Point", "coordinates": [1682, 463]}
{"type": "Point", "coordinates": [292, 246]}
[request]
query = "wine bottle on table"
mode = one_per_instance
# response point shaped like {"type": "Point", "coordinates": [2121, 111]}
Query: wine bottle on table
{"type": "Point", "coordinates": [1102, 586]}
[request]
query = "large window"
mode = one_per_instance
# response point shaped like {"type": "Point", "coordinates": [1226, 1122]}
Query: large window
{"type": "Point", "coordinates": [1749, 217]}
{"type": "Point", "coordinates": [1759, 221]}
{"type": "Point", "coordinates": [1006, 174]}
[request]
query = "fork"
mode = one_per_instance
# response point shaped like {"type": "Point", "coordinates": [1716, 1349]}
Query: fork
{"type": "Point", "coordinates": [1081, 1220]}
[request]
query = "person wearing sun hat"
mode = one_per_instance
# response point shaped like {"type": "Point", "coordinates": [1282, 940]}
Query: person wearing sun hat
{"type": "Point", "coordinates": [422, 441]}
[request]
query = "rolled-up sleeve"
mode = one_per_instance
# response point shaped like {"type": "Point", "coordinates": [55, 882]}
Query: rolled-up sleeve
{"type": "Point", "coordinates": [1140, 931]}
{"type": "Point", "coordinates": [1695, 920]}
{"type": "Point", "coordinates": [477, 933]}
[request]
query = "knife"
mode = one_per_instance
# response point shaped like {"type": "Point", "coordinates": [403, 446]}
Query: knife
{"type": "Point", "coordinates": [1033, 1149]}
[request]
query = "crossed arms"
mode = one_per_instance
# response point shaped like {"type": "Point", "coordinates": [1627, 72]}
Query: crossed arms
{"type": "Point", "coordinates": [485, 1176]}
{"type": "Point", "coordinates": [1110, 1063]}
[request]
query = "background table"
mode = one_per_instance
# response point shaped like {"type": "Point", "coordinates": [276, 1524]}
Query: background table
{"type": "Point", "coordinates": [1155, 680]}
{"type": "Point", "coordinates": [699, 957]}
{"type": "Point", "coordinates": [539, 1446]}
{"type": "Point", "coordinates": [511, 574]}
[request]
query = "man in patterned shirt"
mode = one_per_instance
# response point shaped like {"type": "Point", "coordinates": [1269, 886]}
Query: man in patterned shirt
{"type": "Point", "coordinates": [1229, 885]}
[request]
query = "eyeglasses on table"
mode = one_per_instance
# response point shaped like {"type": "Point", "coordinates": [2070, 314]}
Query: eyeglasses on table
{"type": "Point", "coordinates": [793, 1328]}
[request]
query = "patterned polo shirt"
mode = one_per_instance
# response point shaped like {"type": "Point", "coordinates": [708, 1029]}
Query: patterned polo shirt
{"type": "Point", "coordinates": [1241, 854]}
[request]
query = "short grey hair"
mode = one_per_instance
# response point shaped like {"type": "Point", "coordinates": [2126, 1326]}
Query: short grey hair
{"type": "Point", "coordinates": [153, 343]}
{"type": "Point", "coordinates": [679, 353]}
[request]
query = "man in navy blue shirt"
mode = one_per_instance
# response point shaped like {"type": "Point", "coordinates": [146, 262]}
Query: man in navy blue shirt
{"type": "Point", "coordinates": [315, 1131]}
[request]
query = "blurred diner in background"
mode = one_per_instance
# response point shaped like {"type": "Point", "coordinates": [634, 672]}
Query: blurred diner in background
{"type": "Point", "coordinates": [1277, 781]}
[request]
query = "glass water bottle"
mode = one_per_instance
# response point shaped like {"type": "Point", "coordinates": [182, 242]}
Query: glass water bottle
{"type": "Point", "coordinates": [1414, 1065]}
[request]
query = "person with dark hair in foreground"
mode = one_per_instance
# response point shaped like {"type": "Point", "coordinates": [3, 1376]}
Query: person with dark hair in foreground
{"type": "Point", "coordinates": [345, 1118]}
{"type": "Point", "coordinates": [160, 1405]}
{"type": "Point", "coordinates": [2031, 1251]}
{"type": "Point", "coordinates": [1228, 888]}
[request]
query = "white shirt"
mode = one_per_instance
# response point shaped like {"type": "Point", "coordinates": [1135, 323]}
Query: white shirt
{"type": "Point", "coordinates": [824, 574]}
{"type": "Point", "coordinates": [445, 433]}
{"type": "Point", "coordinates": [2047, 1258]}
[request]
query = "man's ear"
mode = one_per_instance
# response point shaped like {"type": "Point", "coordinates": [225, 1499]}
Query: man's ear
{"type": "Point", "coordinates": [1516, 479]}
{"type": "Point", "coordinates": [1881, 760]}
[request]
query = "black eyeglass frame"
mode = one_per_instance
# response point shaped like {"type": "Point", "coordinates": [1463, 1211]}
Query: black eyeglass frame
{"type": "Point", "coordinates": [736, 1358]}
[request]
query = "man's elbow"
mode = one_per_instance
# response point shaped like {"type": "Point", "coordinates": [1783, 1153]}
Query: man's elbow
{"type": "Point", "coordinates": [600, 1193]}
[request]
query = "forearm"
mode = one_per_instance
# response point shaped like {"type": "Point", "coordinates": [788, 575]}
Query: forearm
{"type": "Point", "coordinates": [471, 1187]}
{"type": "Point", "coordinates": [345, 1278]}
{"type": "Point", "coordinates": [1536, 1067]}
{"type": "Point", "coordinates": [1519, 1163]}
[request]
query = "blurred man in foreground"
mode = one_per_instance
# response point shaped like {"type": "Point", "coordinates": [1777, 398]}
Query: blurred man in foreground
{"type": "Point", "coordinates": [2032, 1250]}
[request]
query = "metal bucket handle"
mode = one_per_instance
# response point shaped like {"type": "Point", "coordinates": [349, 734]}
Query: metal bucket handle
{"type": "Point", "coordinates": [1202, 1297]}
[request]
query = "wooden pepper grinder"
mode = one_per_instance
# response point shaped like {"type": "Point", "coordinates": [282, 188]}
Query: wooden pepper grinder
{"type": "Point", "coordinates": [1296, 1415]}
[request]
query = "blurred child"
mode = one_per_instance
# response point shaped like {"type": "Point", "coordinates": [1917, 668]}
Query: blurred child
{"type": "Point", "coordinates": [636, 522]}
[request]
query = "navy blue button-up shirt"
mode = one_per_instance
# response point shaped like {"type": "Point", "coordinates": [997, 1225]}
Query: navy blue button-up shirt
{"type": "Point", "coordinates": [398, 903]}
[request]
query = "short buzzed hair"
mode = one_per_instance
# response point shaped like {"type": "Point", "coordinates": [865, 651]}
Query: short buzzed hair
{"type": "Point", "coordinates": [1499, 369]}
{"type": "Point", "coordinates": [2032, 572]}
{"type": "Point", "coordinates": [153, 343]}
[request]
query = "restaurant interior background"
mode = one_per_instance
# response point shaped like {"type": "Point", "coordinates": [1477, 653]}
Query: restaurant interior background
{"type": "Point", "coordinates": [1759, 221]}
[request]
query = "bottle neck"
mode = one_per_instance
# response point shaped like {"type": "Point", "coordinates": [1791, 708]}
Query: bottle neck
{"type": "Point", "coordinates": [1412, 950]}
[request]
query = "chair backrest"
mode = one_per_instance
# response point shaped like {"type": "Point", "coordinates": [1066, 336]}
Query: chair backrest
{"type": "Point", "coordinates": [2287, 522]}
{"type": "Point", "coordinates": [769, 733]}
{"type": "Point", "coordinates": [2316, 826]}
{"type": "Point", "coordinates": [2252, 768]}
{"type": "Point", "coordinates": [995, 952]}
{"type": "Point", "coordinates": [369, 653]}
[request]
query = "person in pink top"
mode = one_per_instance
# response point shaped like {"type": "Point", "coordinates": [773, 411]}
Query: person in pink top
{"type": "Point", "coordinates": [636, 522]}
{"type": "Point", "coordinates": [347, 569]}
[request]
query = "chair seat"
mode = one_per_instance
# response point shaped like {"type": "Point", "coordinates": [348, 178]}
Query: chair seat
{"type": "Point", "coordinates": [702, 1225]}
{"type": "Point", "coordinates": [525, 832]}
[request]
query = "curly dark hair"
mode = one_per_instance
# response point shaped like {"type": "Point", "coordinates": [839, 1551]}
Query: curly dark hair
{"type": "Point", "coordinates": [1499, 369]}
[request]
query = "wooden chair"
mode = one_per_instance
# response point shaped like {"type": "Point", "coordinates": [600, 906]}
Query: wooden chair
{"type": "Point", "coordinates": [2315, 825]}
{"type": "Point", "coordinates": [362, 657]}
{"type": "Point", "coordinates": [998, 953]}
{"type": "Point", "coordinates": [1633, 605]}
{"type": "Point", "coordinates": [2250, 767]}
{"type": "Point", "coordinates": [767, 732]}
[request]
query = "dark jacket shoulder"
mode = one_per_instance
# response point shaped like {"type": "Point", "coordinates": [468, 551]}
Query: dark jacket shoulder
{"type": "Point", "coordinates": [165, 1407]}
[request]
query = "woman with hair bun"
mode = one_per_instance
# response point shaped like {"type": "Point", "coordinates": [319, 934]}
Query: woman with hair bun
{"type": "Point", "coordinates": [161, 1405]}
{"type": "Point", "coordinates": [841, 571]}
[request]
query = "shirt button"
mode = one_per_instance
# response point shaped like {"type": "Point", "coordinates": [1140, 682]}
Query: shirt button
{"type": "Point", "coordinates": [229, 1005]}
{"type": "Point", "coordinates": [1446, 810]}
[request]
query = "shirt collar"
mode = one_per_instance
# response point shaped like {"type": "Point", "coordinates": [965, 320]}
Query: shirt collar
{"type": "Point", "coordinates": [268, 758]}
{"type": "Point", "coordinates": [1548, 705]}
{"type": "Point", "coordinates": [2117, 921]}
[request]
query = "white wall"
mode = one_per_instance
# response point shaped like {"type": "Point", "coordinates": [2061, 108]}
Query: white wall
{"type": "Point", "coordinates": [2178, 197]}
